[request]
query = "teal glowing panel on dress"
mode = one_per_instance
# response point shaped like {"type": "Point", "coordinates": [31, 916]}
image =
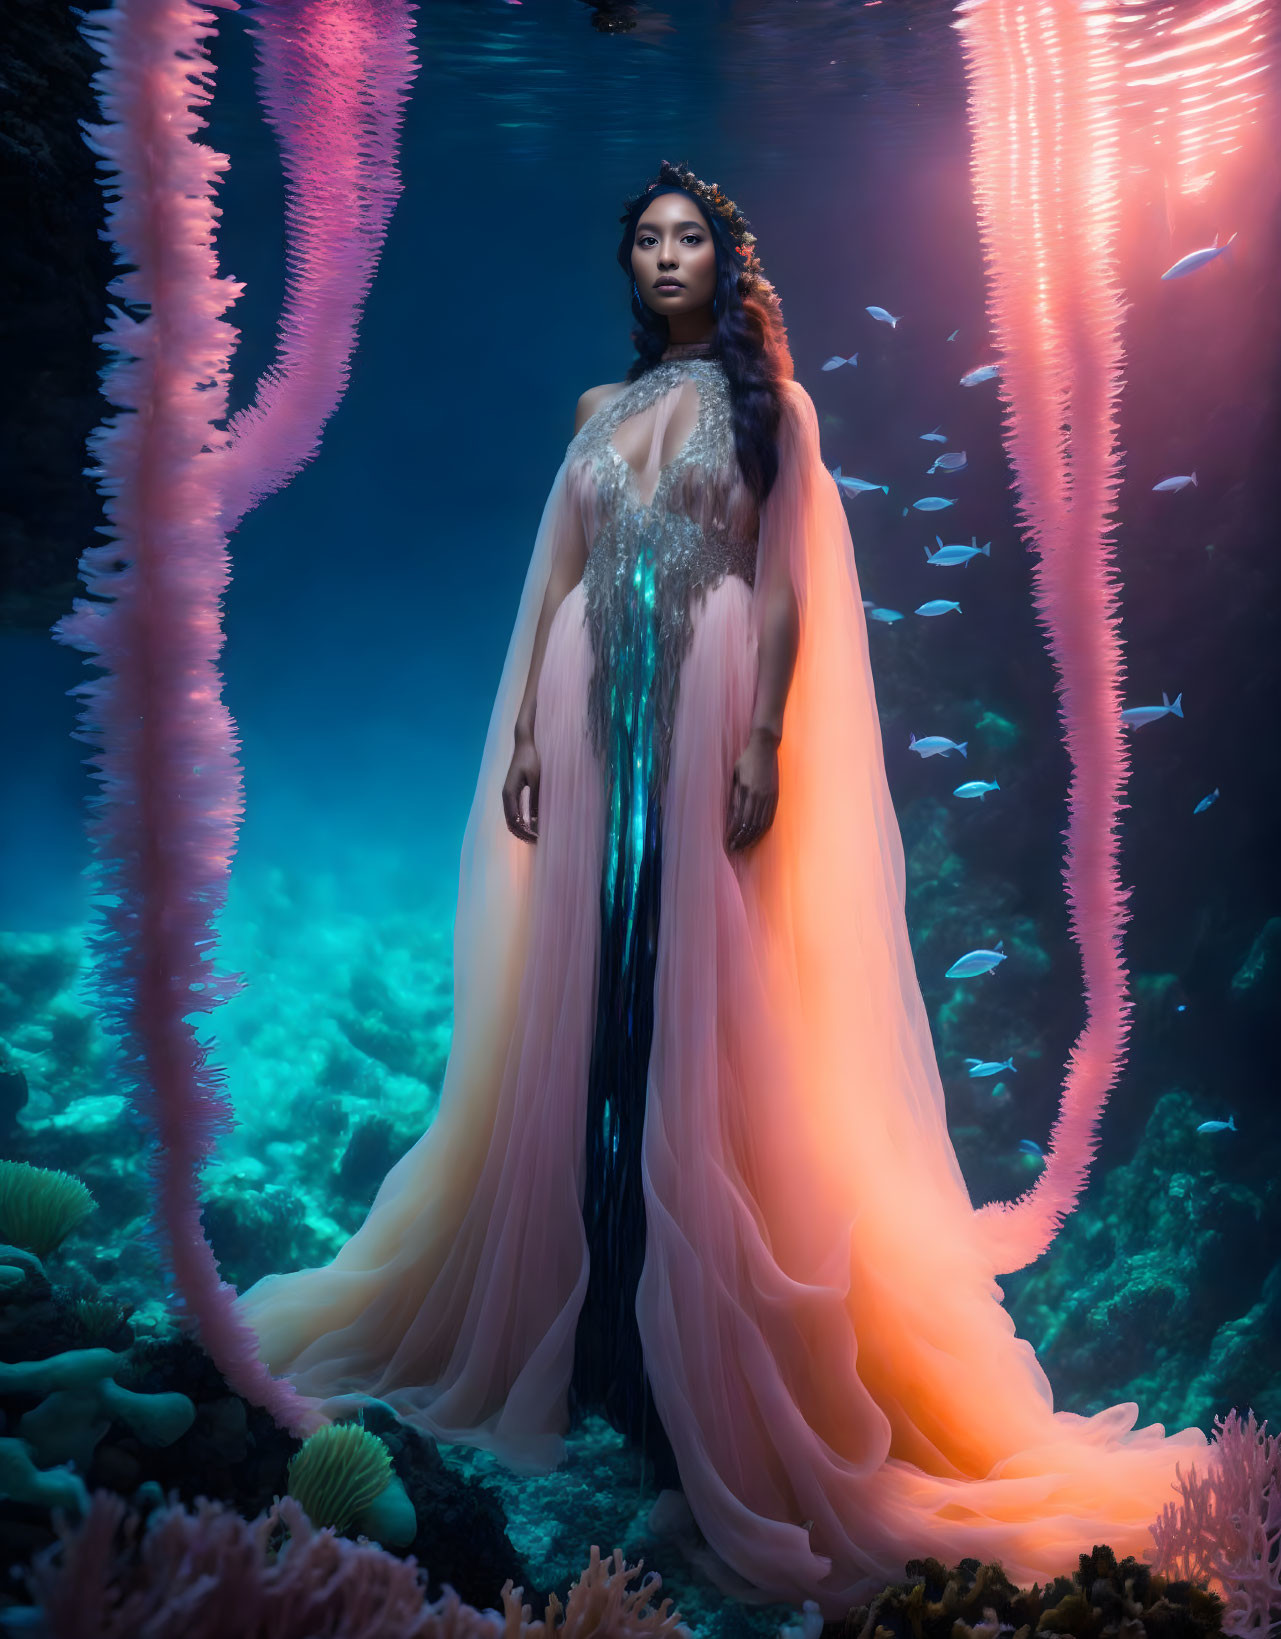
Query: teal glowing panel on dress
{"type": "Point", "coordinates": [632, 739]}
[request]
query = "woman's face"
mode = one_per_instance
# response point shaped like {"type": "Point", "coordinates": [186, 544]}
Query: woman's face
{"type": "Point", "coordinates": [673, 241]}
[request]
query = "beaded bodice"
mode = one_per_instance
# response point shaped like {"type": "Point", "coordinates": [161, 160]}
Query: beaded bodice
{"type": "Point", "coordinates": [652, 556]}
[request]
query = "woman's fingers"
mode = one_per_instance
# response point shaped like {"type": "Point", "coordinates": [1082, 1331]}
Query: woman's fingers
{"type": "Point", "coordinates": [751, 815]}
{"type": "Point", "coordinates": [513, 816]}
{"type": "Point", "coordinates": [734, 820]}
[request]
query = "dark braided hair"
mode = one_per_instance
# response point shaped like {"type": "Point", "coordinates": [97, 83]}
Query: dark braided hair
{"type": "Point", "coordinates": [751, 338]}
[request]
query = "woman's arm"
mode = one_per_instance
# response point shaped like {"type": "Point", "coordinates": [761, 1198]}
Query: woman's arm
{"type": "Point", "coordinates": [565, 575]}
{"type": "Point", "coordinates": [776, 657]}
{"type": "Point", "coordinates": [566, 572]}
{"type": "Point", "coordinates": [754, 793]}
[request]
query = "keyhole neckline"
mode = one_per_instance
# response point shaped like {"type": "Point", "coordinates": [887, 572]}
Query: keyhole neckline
{"type": "Point", "coordinates": [677, 459]}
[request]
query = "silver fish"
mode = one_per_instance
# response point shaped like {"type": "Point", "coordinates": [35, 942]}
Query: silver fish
{"type": "Point", "coordinates": [976, 788]}
{"type": "Point", "coordinates": [938, 436]}
{"type": "Point", "coordinates": [985, 372]}
{"type": "Point", "coordinates": [937, 606]}
{"type": "Point", "coordinates": [856, 486]}
{"type": "Point", "coordinates": [837, 359]}
{"type": "Point", "coordinates": [1228, 1126]}
{"type": "Point", "coordinates": [1206, 801]}
{"type": "Point", "coordinates": [949, 461]}
{"type": "Point", "coordinates": [1137, 716]}
{"type": "Point", "coordinates": [989, 1067]}
{"type": "Point", "coordinates": [936, 745]}
{"type": "Point", "coordinates": [1181, 482]}
{"type": "Point", "coordinates": [933, 503]}
{"type": "Point", "coordinates": [958, 554]}
{"type": "Point", "coordinates": [883, 316]}
{"type": "Point", "coordinates": [976, 961]}
{"type": "Point", "coordinates": [1197, 258]}
{"type": "Point", "coordinates": [889, 616]}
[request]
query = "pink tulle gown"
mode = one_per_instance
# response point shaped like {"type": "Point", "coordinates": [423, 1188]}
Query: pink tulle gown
{"type": "Point", "coordinates": [692, 1141]}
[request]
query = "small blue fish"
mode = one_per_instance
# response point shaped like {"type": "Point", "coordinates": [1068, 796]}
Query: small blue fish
{"type": "Point", "coordinates": [1196, 258]}
{"type": "Point", "coordinates": [937, 745]}
{"type": "Point", "coordinates": [856, 486]}
{"type": "Point", "coordinates": [889, 616]}
{"type": "Point", "coordinates": [934, 503]}
{"type": "Point", "coordinates": [937, 606]}
{"type": "Point", "coordinates": [1181, 482]}
{"type": "Point", "coordinates": [938, 436]}
{"type": "Point", "coordinates": [985, 372]}
{"type": "Point", "coordinates": [989, 1067]}
{"type": "Point", "coordinates": [949, 461]}
{"type": "Point", "coordinates": [976, 788]}
{"type": "Point", "coordinates": [954, 334]}
{"type": "Point", "coordinates": [837, 359]}
{"type": "Point", "coordinates": [1137, 716]}
{"type": "Point", "coordinates": [1029, 1146]}
{"type": "Point", "coordinates": [958, 554]}
{"type": "Point", "coordinates": [1228, 1126]}
{"type": "Point", "coordinates": [976, 961]}
{"type": "Point", "coordinates": [883, 316]}
{"type": "Point", "coordinates": [1206, 801]}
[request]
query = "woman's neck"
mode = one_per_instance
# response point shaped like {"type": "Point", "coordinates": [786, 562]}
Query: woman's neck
{"type": "Point", "coordinates": [688, 349]}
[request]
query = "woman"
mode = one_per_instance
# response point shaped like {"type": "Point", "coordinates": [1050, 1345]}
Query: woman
{"type": "Point", "coordinates": [691, 1165]}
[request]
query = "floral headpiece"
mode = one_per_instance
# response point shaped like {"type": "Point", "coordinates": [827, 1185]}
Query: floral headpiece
{"type": "Point", "coordinates": [751, 277]}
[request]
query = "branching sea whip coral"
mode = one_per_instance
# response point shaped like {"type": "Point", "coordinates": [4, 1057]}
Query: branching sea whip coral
{"type": "Point", "coordinates": [1044, 92]}
{"type": "Point", "coordinates": [334, 75]}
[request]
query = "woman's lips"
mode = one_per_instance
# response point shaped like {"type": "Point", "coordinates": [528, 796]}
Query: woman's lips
{"type": "Point", "coordinates": [667, 289]}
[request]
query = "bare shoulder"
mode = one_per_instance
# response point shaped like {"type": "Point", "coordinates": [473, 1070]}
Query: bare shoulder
{"type": "Point", "coordinates": [795, 404]}
{"type": "Point", "coordinates": [794, 396]}
{"type": "Point", "coordinates": [596, 398]}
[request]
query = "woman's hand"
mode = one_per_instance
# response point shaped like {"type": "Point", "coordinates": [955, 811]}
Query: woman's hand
{"type": "Point", "coordinates": [754, 797]}
{"type": "Point", "coordinates": [523, 771]}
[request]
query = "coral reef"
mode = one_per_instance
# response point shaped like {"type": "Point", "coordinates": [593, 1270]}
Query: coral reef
{"type": "Point", "coordinates": [206, 1573]}
{"type": "Point", "coordinates": [978, 1601]}
{"type": "Point", "coordinates": [1227, 1525]}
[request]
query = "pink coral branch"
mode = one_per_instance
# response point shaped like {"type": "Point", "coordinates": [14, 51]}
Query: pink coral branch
{"type": "Point", "coordinates": [1226, 1528]}
{"type": "Point", "coordinates": [163, 825]}
{"type": "Point", "coordinates": [333, 76]}
{"type": "Point", "coordinates": [1044, 84]}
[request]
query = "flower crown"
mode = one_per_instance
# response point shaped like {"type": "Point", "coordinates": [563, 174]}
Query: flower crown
{"type": "Point", "coordinates": [715, 203]}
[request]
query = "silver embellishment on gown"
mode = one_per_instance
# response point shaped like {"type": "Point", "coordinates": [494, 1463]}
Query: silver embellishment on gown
{"type": "Point", "coordinates": [701, 525]}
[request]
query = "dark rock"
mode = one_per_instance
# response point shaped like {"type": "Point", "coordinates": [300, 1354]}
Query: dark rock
{"type": "Point", "coordinates": [56, 270]}
{"type": "Point", "coordinates": [462, 1529]}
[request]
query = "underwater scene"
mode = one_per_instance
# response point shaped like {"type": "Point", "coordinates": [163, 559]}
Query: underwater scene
{"type": "Point", "coordinates": [640, 929]}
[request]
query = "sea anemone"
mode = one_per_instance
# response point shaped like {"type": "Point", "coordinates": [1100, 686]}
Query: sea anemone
{"type": "Point", "coordinates": [336, 1474]}
{"type": "Point", "coordinates": [39, 1207]}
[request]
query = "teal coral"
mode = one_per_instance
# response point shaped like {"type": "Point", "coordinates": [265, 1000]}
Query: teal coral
{"type": "Point", "coordinates": [82, 1400]}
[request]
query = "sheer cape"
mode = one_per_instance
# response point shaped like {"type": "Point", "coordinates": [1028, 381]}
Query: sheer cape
{"type": "Point", "coordinates": [820, 1317]}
